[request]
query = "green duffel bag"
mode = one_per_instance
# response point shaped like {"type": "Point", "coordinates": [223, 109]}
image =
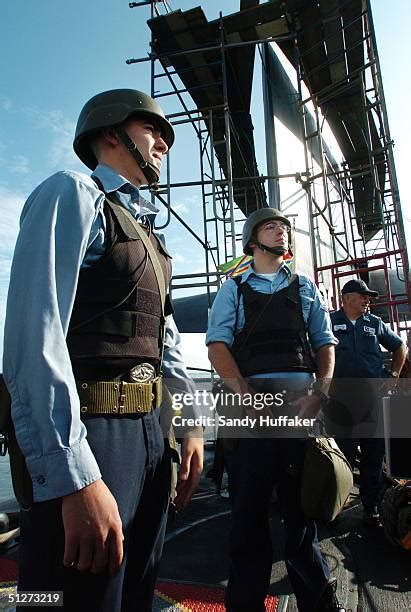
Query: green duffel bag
{"type": "Point", "coordinates": [327, 480]}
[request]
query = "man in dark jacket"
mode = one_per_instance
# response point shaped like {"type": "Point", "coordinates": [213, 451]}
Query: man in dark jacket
{"type": "Point", "coordinates": [359, 357]}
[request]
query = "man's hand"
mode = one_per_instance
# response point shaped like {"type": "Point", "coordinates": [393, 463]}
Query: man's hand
{"type": "Point", "coordinates": [308, 406]}
{"type": "Point", "coordinates": [192, 455]}
{"type": "Point", "coordinates": [389, 386]}
{"type": "Point", "coordinates": [93, 530]}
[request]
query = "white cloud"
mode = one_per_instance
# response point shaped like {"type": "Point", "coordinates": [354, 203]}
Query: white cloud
{"type": "Point", "coordinates": [5, 103]}
{"type": "Point", "coordinates": [180, 208]}
{"type": "Point", "coordinates": [190, 200]}
{"type": "Point", "coordinates": [11, 203]}
{"type": "Point", "coordinates": [61, 152]}
{"type": "Point", "coordinates": [199, 269]}
{"type": "Point", "coordinates": [56, 134]}
{"type": "Point", "coordinates": [18, 164]}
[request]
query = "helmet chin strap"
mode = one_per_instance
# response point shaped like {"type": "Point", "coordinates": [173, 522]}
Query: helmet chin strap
{"type": "Point", "coordinates": [274, 250]}
{"type": "Point", "coordinates": [150, 171]}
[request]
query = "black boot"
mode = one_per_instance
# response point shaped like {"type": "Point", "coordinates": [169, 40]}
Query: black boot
{"type": "Point", "coordinates": [329, 601]}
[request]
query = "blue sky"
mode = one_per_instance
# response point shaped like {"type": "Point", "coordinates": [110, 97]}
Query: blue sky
{"type": "Point", "coordinates": [55, 54]}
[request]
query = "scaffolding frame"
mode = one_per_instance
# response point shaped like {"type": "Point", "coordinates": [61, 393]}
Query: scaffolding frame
{"type": "Point", "coordinates": [353, 244]}
{"type": "Point", "coordinates": [218, 203]}
{"type": "Point", "coordinates": [388, 245]}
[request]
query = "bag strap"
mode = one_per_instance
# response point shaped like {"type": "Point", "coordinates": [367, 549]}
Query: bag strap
{"type": "Point", "coordinates": [294, 288]}
{"type": "Point", "coordinates": [127, 220]}
{"type": "Point", "coordinates": [237, 280]}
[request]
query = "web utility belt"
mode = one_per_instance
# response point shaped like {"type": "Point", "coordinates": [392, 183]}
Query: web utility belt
{"type": "Point", "coordinates": [140, 396]}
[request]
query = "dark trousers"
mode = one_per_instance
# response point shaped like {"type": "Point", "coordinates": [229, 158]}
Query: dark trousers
{"type": "Point", "coordinates": [255, 466]}
{"type": "Point", "coordinates": [371, 466]}
{"type": "Point", "coordinates": [135, 465]}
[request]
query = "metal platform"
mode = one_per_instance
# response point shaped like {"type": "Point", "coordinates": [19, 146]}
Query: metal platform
{"type": "Point", "coordinates": [195, 48]}
{"type": "Point", "coordinates": [329, 38]}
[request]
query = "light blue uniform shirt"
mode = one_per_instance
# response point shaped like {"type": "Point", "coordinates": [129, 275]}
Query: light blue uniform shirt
{"type": "Point", "coordinates": [224, 312]}
{"type": "Point", "coordinates": [62, 229]}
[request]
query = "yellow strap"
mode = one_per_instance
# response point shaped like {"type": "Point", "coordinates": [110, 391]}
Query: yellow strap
{"type": "Point", "coordinates": [119, 397]}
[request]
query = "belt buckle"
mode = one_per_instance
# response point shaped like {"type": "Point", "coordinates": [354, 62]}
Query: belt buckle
{"type": "Point", "coordinates": [142, 373]}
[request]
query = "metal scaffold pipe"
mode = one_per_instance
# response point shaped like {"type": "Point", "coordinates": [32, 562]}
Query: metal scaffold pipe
{"type": "Point", "coordinates": [391, 165]}
{"type": "Point", "coordinates": [228, 139]}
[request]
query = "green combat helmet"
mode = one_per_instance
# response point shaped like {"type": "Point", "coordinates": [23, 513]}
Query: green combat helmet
{"type": "Point", "coordinates": [251, 225]}
{"type": "Point", "coordinates": [110, 109]}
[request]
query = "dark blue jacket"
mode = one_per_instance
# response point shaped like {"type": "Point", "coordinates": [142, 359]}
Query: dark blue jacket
{"type": "Point", "coordinates": [358, 353]}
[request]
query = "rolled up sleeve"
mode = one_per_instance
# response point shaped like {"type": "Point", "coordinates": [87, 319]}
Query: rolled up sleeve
{"type": "Point", "coordinates": [388, 339]}
{"type": "Point", "coordinates": [318, 319]}
{"type": "Point", "coordinates": [222, 319]}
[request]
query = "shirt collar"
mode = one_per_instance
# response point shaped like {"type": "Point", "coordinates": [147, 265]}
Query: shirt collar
{"type": "Point", "coordinates": [363, 317]}
{"type": "Point", "coordinates": [129, 194]}
{"type": "Point", "coordinates": [284, 269]}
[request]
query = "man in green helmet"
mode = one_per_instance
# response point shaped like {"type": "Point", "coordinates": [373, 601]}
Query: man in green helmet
{"type": "Point", "coordinates": [269, 332]}
{"type": "Point", "coordinates": [89, 335]}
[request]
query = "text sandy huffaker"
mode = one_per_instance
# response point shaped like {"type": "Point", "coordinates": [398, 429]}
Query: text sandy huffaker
{"type": "Point", "coordinates": [246, 421]}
